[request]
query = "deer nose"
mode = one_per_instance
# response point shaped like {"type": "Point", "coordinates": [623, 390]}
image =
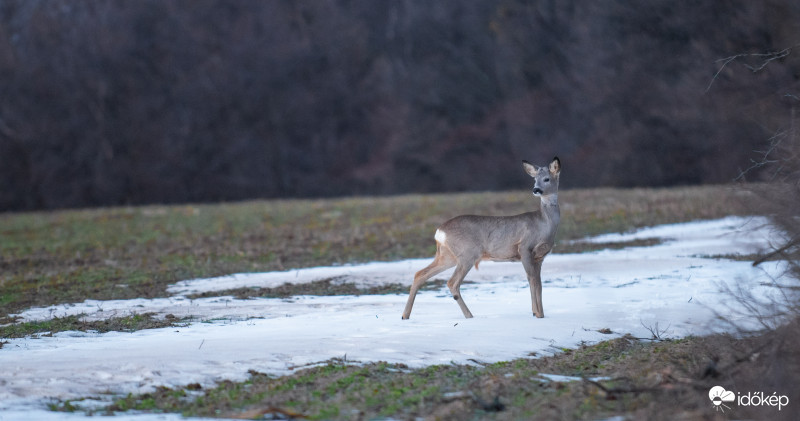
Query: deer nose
{"type": "Point", "coordinates": [537, 191]}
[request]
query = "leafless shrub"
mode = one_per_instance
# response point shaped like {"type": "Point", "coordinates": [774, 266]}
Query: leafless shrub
{"type": "Point", "coordinates": [778, 166]}
{"type": "Point", "coordinates": [769, 321]}
{"type": "Point", "coordinates": [657, 333]}
{"type": "Point", "coordinates": [780, 200]}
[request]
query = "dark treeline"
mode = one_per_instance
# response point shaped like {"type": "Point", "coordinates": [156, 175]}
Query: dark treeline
{"type": "Point", "coordinates": [135, 101]}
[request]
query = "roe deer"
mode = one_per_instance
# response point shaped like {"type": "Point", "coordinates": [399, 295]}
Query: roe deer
{"type": "Point", "coordinates": [466, 240]}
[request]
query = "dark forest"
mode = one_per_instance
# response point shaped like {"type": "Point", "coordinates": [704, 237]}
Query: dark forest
{"type": "Point", "coordinates": [124, 102]}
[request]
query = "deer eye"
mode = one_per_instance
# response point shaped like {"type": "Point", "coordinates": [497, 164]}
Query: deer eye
{"type": "Point", "coordinates": [546, 180]}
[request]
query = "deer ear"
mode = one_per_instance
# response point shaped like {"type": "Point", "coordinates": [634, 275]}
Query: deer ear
{"type": "Point", "coordinates": [555, 166]}
{"type": "Point", "coordinates": [529, 168]}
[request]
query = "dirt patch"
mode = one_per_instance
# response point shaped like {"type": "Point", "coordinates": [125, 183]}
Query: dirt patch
{"type": "Point", "coordinates": [588, 246]}
{"type": "Point", "coordinates": [323, 287]}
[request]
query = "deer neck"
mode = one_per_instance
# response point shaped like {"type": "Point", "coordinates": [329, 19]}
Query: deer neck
{"type": "Point", "coordinates": [549, 207]}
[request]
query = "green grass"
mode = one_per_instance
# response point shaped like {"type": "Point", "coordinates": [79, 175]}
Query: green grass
{"type": "Point", "coordinates": [78, 323]}
{"type": "Point", "coordinates": [641, 374]}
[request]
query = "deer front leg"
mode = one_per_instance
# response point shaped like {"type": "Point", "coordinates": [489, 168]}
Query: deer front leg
{"type": "Point", "coordinates": [535, 282]}
{"type": "Point", "coordinates": [533, 268]}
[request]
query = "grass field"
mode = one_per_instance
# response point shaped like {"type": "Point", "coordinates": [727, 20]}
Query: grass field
{"type": "Point", "coordinates": [121, 253]}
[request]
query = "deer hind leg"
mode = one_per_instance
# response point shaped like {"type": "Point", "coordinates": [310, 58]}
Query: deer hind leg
{"type": "Point", "coordinates": [444, 260]}
{"type": "Point", "coordinates": [455, 284]}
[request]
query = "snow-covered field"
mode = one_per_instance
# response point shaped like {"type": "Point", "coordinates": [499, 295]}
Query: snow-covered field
{"type": "Point", "coordinates": [675, 284]}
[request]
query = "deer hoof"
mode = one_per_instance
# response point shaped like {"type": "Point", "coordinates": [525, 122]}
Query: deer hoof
{"type": "Point", "coordinates": [538, 315]}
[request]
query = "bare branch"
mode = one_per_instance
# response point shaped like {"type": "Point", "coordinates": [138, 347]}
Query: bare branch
{"type": "Point", "coordinates": [774, 253]}
{"type": "Point", "coordinates": [656, 332]}
{"type": "Point", "coordinates": [766, 58]}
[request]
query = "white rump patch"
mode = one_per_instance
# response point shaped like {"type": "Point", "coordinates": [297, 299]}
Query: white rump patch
{"type": "Point", "coordinates": [440, 236]}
